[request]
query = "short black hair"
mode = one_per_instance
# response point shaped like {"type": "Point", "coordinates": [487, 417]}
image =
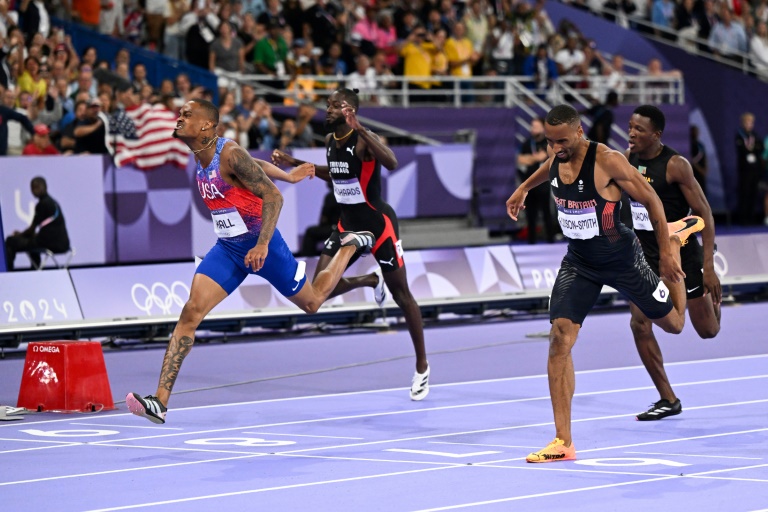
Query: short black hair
{"type": "Point", "coordinates": [350, 96]}
{"type": "Point", "coordinates": [563, 114]}
{"type": "Point", "coordinates": [39, 181]}
{"type": "Point", "coordinates": [658, 121]}
{"type": "Point", "coordinates": [210, 110]}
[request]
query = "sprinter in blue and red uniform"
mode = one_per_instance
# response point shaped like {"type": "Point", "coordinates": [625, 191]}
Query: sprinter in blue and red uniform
{"type": "Point", "coordinates": [244, 206]}
{"type": "Point", "coordinates": [354, 159]}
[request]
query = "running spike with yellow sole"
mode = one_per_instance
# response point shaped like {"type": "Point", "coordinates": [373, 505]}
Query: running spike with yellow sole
{"type": "Point", "coordinates": [553, 452]}
{"type": "Point", "coordinates": [685, 227]}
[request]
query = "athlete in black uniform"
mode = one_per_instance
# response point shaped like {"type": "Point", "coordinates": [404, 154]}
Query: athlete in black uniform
{"type": "Point", "coordinates": [354, 156]}
{"type": "Point", "coordinates": [587, 180]}
{"type": "Point", "coordinates": [671, 176]}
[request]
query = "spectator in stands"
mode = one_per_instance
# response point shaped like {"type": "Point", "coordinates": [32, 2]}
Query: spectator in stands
{"type": "Point", "coordinates": [260, 126]}
{"type": "Point", "coordinates": [542, 70]}
{"type": "Point", "coordinates": [51, 109]}
{"type": "Point", "coordinates": [417, 61]}
{"type": "Point", "coordinates": [154, 16]}
{"type": "Point", "coordinates": [749, 161]}
{"type": "Point", "coordinates": [48, 229]}
{"type": "Point", "coordinates": [91, 130]}
{"type": "Point", "coordinates": [226, 55]}
{"type": "Point", "coordinates": [440, 66]}
{"type": "Point", "coordinates": [461, 58]}
{"type": "Point", "coordinates": [32, 81]}
{"type": "Point", "coordinates": [698, 158]}
{"type": "Point", "coordinates": [384, 79]}
{"type": "Point", "coordinates": [363, 78]}
{"type": "Point", "coordinates": [139, 76]}
{"type": "Point", "coordinates": [70, 105]}
{"type": "Point", "coordinates": [272, 15]}
{"type": "Point", "coordinates": [200, 35]}
{"type": "Point", "coordinates": [323, 25]}
{"type": "Point", "coordinates": [87, 13]}
{"type": "Point", "coordinates": [502, 43]}
{"type": "Point", "coordinates": [707, 19]}
{"type": "Point", "coordinates": [686, 24]}
{"type": "Point", "coordinates": [663, 17]}
{"type": "Point", "coordinates": [658, 91]}
{"type": "Point", "coordinates": [269, 59]}
{"type": "Point", "coordinates": [112, 18]}
{"type": "Point", "coordinates": [121, 125]}
{"type": "Point", "coordinates": [246, 34]}
{"type": "Point", "coordinates": [531, 154]}
{"type": "Point", "coordinates": [758, 50]}
{"type": "Point", "coordinates": [8, 18]}
{"type": "Point", "coordinates": [33, 18]}
{"type": "Point", "coordinates": [9, 114]}
{"type": "Point", "coordinates": [570, 59]}
{"type": "Point", "coordinates": [41, 143]}
{"type": "Point", "coordinates": [478, 30]}
{"type": "Point", "coordinates": [602, 118]}
{"type": "Point", "coordinates": [84, 83]}
{"type": "Point", "coordinates": [304, 135]}
{"type": "Point", "coordinates": [178, 18]}
{"type": "Point", "coordinates": [728, 38]}
{"type": "Point", "coordinates": [133, 23]}
{"type": "Point", "coordinates": [67, 142]}
{"type": "Point", "coordinates": [616, 78]}
{"type": "Point", "coordinates": [17, 137]}
{"type": "Point", "coordinates": [294, 16]}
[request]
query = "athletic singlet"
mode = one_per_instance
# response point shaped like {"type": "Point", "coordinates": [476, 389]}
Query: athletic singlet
{"type": "Point", "coordinates": [356, 184]}
{"type": "Point", "coordinates": [590, 222]}
{"type": "Point", "coordinates": [236, 212]}
{"type": "Point", "coordinates": [675, 205]}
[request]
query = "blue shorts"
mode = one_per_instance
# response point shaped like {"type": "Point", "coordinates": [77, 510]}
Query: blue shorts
{"type": "Point", "coordinates": [225, 264]}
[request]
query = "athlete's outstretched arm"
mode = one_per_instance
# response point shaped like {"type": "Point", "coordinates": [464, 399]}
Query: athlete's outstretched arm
{"type": "Point", "coordinates": [295, 175]}
{"type": "Point", "coordinates": [282, 158]}
{"type": "Point", "coordinates": [251, 177]}
{"type": "Point", "coordinates": [679, 171]}
{"type": "Point", "coordinates": [618, 168]}
{"type": "Point", "coordinates": [516, 201]}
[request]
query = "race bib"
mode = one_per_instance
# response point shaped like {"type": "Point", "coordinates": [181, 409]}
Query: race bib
{"type": "Point", "coordinates": [640, 220]}
{"type": "Point", "coordinates": [578, 224]}
{"type": "Point", "coordinates": [348, 191]}
{"type": "Point", "coordinates": [228, 223]}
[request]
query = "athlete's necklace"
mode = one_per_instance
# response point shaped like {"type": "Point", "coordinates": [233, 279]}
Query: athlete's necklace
{"type": "Point", "coordinates": [213, 140]}
{"type": "Point", "coordinates": [343, 137]}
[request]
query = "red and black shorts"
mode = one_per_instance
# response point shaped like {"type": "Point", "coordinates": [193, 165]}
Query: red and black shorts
{"type": "Point", "coordinates": [387, 250]}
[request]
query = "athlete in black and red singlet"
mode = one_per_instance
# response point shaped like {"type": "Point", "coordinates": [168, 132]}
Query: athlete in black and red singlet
{"type": "Point", "coordinates": [354, 159]}
{"type": "Point", "coordinates": [671, 176]}
{"type": "Point", "coordinates": [587, 179]}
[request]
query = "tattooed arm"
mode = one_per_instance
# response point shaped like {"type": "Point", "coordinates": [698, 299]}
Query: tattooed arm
{"type": "Point", "coordinates": [247, 174]}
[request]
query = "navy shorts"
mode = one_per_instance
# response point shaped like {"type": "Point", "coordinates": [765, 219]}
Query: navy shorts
{"type": "Point", "coordinates": [580, 281]}
{"type": "Point", "coordinates": [225, 264]}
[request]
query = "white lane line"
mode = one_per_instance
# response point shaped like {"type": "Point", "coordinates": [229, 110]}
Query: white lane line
{"type": "Point", "coordinates": [692, 455]}
{"type": "Point", "coordinates": [35, 440]}
{"type": "Point", "coordinates": [126, 470]}
{"type": "Point", "coordinates": [489, 445]}
{"type": "Point", "coordinates": [40, 448]}
{"type": "Point", "coordinates": [267, 489]}
{"type": "Point", "coordinates": [303, 435]}
{"type": "Point", "coordinates": [451, 384]}
{"type": "Point", "coordinates": [582, 489]}
{"type": "Point", "coordinates": [448, 407]}
{"type": "Point", "coordinates": [123, 425]}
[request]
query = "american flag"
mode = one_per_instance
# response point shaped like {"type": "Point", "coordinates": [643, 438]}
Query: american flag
{"type": "Point", "coordinates": [150, 144]}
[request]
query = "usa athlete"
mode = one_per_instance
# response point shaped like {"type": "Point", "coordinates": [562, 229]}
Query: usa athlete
{"type": "Point", "coordinates": [354, 159]}
{"type": "Point", "coordinates": [244, 206]}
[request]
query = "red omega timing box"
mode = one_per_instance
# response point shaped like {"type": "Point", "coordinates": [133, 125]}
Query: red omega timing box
{"type": "Point", "coordinates": [65, 376]}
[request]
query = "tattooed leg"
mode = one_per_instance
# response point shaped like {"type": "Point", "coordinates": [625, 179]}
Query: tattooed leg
{"type": "Point", "coordinates": [177, 350]}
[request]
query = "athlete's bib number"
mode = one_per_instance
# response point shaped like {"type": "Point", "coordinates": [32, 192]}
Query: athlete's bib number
{"type": "Point", "coordinates": [577, 224]}
{"type": "Point", "coordinates": [348, 191]}
{"type": "Point", "coordinates": [640, 219]}
{"type": "Point", "coordinates": [228, 223]}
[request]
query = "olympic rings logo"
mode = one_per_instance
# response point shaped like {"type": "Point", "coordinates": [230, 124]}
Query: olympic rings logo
{"type": "Point", "coordinates": [721, 264]}
{"type": "Point", "coordinates": [159, 295]}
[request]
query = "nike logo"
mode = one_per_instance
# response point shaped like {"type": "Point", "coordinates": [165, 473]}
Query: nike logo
{"type": "Point", "coordinates": [692, 289]}
{"type": "Point", "coordinates": [294, 288]}
{"type": "Point", "coordinates": [388, 262]}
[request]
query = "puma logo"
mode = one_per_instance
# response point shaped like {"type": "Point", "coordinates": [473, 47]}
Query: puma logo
{"type": "Point", "coordinates": [351, 150]}
{"type": "Point", "coordinates": [389, 262]}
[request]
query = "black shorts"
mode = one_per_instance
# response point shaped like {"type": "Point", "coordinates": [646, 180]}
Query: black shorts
{"type": "Point", "coordinates": [581, 279]}
{"type": "Point", "coordinates": [692, 262]}
{"type": "Point", "coordinates": [388, 249]}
